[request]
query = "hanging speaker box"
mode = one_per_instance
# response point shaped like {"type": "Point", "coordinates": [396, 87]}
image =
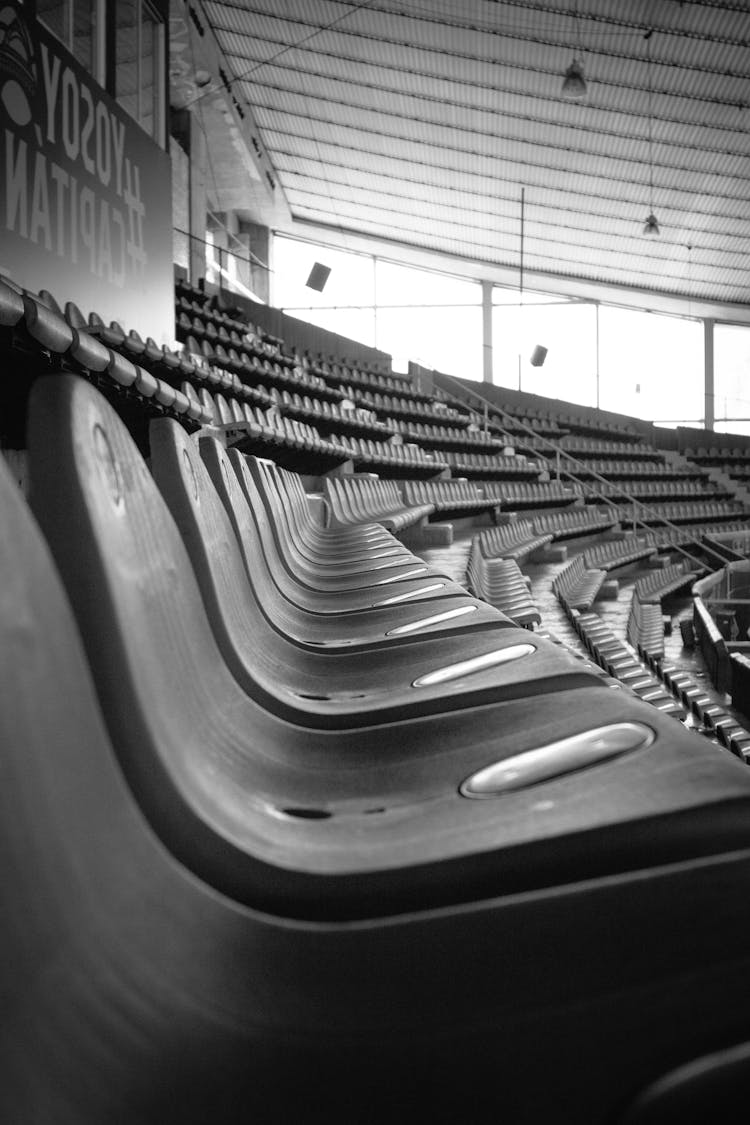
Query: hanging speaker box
{"type": "Point", "coordinates": [318, 277]}
{"type": "Point", "coordinates": [538, 356]}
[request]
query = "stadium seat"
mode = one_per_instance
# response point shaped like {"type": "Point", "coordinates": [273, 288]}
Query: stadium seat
{"type": "Point", "coordinates": [326, 687]}
{"type": "Point", "coordinates": [176, 938]}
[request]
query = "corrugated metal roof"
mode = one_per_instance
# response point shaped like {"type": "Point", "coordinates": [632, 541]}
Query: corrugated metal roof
{"type": "Point", "coordinates": [421, 121]}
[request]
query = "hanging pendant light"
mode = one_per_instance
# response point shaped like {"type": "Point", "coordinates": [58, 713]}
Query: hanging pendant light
{"type": "Point", "coordinates": [574, 84]}
{"type": "Point", "coordinates": [651, 225]}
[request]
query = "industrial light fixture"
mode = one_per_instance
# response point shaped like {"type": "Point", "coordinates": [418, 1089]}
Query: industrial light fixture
{"type": "Point", "coordinates": [574, 84]}
{"type": "Point", "coordinates": [651, 225]}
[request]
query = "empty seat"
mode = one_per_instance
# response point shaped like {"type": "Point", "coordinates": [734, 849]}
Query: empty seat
{"type": "Point", "coordinates": [334, 686]}
{"type": "Point", "coordinates": [120, 952]}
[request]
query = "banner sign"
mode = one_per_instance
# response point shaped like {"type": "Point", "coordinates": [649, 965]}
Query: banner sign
{"type": "Point", "coordinates": [85, 194]}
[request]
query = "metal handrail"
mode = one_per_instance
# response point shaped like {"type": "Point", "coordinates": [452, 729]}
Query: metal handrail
{"type": "Point", "coordinates": [559, 451]}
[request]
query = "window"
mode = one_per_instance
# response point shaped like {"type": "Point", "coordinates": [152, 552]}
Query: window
{"type": "Point", "coordinates": [732, 378]}
{"type": "Point", "coordinates": [567, 329]}
{"type": "Point", "coordinates": [651, 366]}
{"type": "Point", "coordinates": [346, 303]}
{"type": "Point", "coordinates": [77, 24]}
{"type": "Point", "coordinates": [139, 68]}
{"type": "Point", "coordinates": [413, 314]}
{"type": "Point", "coordinates": [432, 318]}
{"type": "Point", "coordinates": [629, 361]}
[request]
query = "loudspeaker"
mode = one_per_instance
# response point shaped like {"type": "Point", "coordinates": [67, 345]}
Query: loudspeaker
{"type": "Point", "coordinates": [318, 277]}
{"type": "Point", "coordinates": [538, 356]}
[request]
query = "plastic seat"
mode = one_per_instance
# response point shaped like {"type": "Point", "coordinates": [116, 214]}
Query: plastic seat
{"type": "Point", "coordinates": [300, 584]}
{"type": "Point", "coordinates": [325, 688]}
{"type": "Point", "coordinates": [338, 553]}
{"type": "Point", "coordinates": [273, 816]}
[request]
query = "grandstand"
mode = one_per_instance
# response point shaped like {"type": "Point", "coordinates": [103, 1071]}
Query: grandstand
{"type": "Point", "coordinates": [375, 708]}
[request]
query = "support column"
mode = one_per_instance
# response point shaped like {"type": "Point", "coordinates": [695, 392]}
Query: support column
{"type": "Point", "coordinates": [597, 354]}
{"type": "Point", "coordinates": [708, 372]}
{"type": "Point", "coordinates": [487, 359]}
{"type": "Point", "coordinates": [197, 201]}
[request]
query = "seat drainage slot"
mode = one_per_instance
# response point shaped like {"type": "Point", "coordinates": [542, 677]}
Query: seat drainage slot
{"type": "Point", "coordinates": [332, 696]}
{"type": "Point", "coordinates": [412, 594]}
{"type": "Point", "coordinates": [425, 622]}
{"type": "Point", "coordinates": [474, 665]}
{"type": "Point", "coordinates": [304, 813]}
{"type": "Point", "coordinates": [307, 814]}
{"type": "Point", "coordinates": [401, 577]}
{"type": "Point", "coordinates": [589, 748]}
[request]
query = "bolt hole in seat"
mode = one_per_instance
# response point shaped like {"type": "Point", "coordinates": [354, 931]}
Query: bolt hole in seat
{"type": "Point", "coordinates": [179, 950]}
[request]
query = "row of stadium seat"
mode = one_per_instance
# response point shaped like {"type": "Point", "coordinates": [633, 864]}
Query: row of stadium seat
{"type": "Point", "coordinates": [532, 494]}
{"type": "Point", "coordinates": [577, 586]}
{"type": "Point", "coordinates": [327, 415]}
{"type": "Point", "coordinates": [357, 377]}
{"type": "Point", "coordinates": [645, 628]}
{"type": "Point", "coordinates": [501, 583]}
{"type": "Point", "coordinates": [408, 409]}
{"type": "Point", "coordinates": [564, 421]}
{"type": "Point", "coordinates": [661, 489]}
{"type": "Point", "coordinates": [354, 499]}
{"type": "Point", "coordinates": [246, 839]}
{"type": "Point", "coordinates": [634, 469]}
{"type": "Point", "coordinates": [660, 584]}
{"type": "Point", "coordinates": [243, 337]}
{"type": "Point", "coordinates": [493, 466]}
{"type": "Point", "coordinates": [455, 498]}
{"type": "Point", "coordinates": [389, 459]}
{"type": "Point", "coordinates": [447, 437]}
{"type": "Point", "coordinates": [718, 454]}
{"type": "Point", "coordinates": [697, 511]}
{"type": "Point", "coordinates": [513, 540]}
{"type": "Point", "coordinates": [619, 661]}
{"type": "Point", "coordinates": [576, 521]}
{"type": "Point", "coordinates": [585, 448]}
{"type": "Point", "coordinates": [619, 552]}
{"type": "Point", "coordinates": [253, 369]}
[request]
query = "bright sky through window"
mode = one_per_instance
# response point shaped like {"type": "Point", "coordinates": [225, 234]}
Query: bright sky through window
{"type": "Point", "coordinates": [647, 365]}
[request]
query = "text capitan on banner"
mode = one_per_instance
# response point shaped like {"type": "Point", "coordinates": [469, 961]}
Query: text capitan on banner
{"type": "Point", "coordinates": [84, 193]}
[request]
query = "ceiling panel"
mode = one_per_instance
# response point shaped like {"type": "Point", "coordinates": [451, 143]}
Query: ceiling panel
{"type": "Point", "coordinates": [422, 121]}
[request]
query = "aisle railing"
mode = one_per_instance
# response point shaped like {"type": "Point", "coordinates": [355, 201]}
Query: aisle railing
{"type": "Point", "coordinates": [459, 391]}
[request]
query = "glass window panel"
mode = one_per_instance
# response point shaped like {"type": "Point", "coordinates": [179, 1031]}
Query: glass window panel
{"type": "Point", "coordinates": [84, 15]}
{"type": "Point", "coordinates": [731, 373]}
{"type": "Point", "coordinates": [407, 286]}
{"type": "Point", "coordinates": [442, 339]}
{"type": "Point", "coordinates": [568, 332]}
{"type": "Point", "coordinates": [651, 366]}
{"type": "Point", "coordinates": [126, 49]}
{"type": "Point", "coordinates": [350, 284]}
{"type": "Point", "coordinates": [55, 15]}
{"type": "Point", "coordinates": [147, 83]}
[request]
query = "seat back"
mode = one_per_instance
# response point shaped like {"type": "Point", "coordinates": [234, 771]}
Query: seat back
{"type": "Point", "coordinates": [196, 750]}
{"type": "Point", "coordinates": [107, 939]}
{"type": "Point", "coordinates": [240, 597]}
